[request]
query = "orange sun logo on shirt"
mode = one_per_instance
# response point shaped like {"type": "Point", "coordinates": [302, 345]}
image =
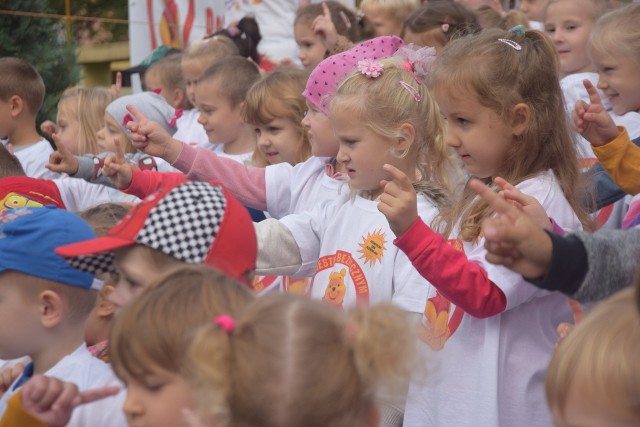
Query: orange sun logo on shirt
{"type": "Point", "coordinates": [372, 247]}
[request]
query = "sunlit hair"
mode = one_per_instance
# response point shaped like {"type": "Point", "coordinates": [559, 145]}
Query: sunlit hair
{"type": "Point", "coordinates": [104, 217]}
{"type": "Point", "coordinates": [169, 72]}
{"type": "Point", "coordinates": [87, 106]}
{"type": "Point", "coordinates": [397, 10]}
{"type": "Point", "coordinates": [22, 79]}
{"type": "Point", "coordinates": [234, 76]}
{"type": "Point", "coordinates": [210, 50]}
{"type": "Point", "coordinates": [278, 95]}
{"type": "Point", "coordinates": [500, 77]}
{"type": "Point", "coordinates": [383, 105]}
{"type": "Point", "coordinates": [598, 361]}
{"type": "Point", "coordinates": [431, 17]}
{"type": "Point", "coordinates": [618, 33]}
{"type": "Point", "coordinates": [343, 18]}
{"type": "Point", "coordinates": [595, 8]}
{"type": "Point", "coordinates": [271, 350]}
{"type": "Point", "coordinates": [155, 330]}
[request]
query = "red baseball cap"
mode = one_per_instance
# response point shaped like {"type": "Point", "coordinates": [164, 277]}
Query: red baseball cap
{"type": "Point", "coordinates": [23, 191]}
{"type": "Point", "coordinates": [194, 222]}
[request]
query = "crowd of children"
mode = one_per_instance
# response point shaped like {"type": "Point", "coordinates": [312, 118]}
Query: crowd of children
{"type": "Point", "coordinates": [403, 226]}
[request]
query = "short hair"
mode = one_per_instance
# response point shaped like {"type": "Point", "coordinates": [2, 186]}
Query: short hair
{"type": "Point", "coordinates": [79, 301]}
{"type": "Point", "coordinates": [104, 217]}
{"type": "Point", "coordinates": [9, 164]}
{"type": "Point", "coordinates": [433, 16]}
{"type": "Point", "coordinates": [210, 50]}
{"type": "Point", "coordinates": [237, 75]}
{"type": "Point", "coordinates": [158, 326]}
{"type": "Point", "coordinates": [276, 339]}
{"type": "Point", "coordinates": [22, 79]}
{"type": "Point", "coordinates": [599, 358]}
{"type": "Point", "coordinates": [279, 94]}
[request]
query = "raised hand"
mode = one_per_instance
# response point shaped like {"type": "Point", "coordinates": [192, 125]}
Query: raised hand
{"type": "Point", "coordinates": [116, 88]}
{"type": "Point", "coordinates": [512, 238]}
{"type": "Point", "coordinates": [151, 137]}
{"type": "Point", "coordinates": [530, 205]}
{"type": "Point", "coordinates": [592, 120]}
{"type": "Point", "coordinates": [52, 401]}
{"type": "Point", "coordinates": [117, 168]}
{"type": "Point", "coordinates": [398, 202]}
{"type": "Point", "coordinates": [48, 127]}
{"type": "Point", "coordinates": [324, 27]}
{"type": "Point", "coordinates": [63, 160]}
{"type": "Point", "coordinates": [9, 375]}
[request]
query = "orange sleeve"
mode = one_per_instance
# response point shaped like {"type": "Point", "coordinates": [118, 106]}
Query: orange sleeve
{"type": "Point", "coordinates": [621, 159]}
{"type": "Point", "coordinates": [17, 415]}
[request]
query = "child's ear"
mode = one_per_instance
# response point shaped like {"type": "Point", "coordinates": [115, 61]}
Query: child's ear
{"type": "Point", "coordinates": [17, 105]}
{"type": "Point", "coordinates": [51, 308]}
{"type": "Point", "coordinates": [407, 137]}
{"type": "Point", "coordinates": [520, 118]}
{"type": "Point", "coordinates": [178, 97]}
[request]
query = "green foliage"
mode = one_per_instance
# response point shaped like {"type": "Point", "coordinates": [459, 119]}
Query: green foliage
{"type": "Point", "coordinates": [42, 43]}
{"type": "Point", "coordinates": [116, 9]}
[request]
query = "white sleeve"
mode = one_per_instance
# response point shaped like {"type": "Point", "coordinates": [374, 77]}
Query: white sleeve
{"type": "Point", "coordinates": [79, 195]}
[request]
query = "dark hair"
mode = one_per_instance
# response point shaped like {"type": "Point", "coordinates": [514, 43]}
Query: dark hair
{"type": "Point", "coordinates": [460, 20]}
{"type": "Point", "coordinates": [22, 79]}
{"type": "Point", "coordinates": [246, 36]}
{"type": "Point", "coordinates": [9, 164]}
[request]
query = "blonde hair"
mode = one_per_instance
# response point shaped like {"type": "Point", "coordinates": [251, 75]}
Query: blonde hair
{"type": "Point", "coordinates": [169, 71]}
{"type": "Point", "coordinates": [275, 349]}
{"type": "Point", "coordinates": [344, 19]}
{"type": "Point", "coordinates": [397, 10]}
{"type": "Point", "coordinates": [104, 217]}
{"type": "Point", "coordinates": [157, 327]}
{"type": "Point", "coordinates": [234, 75]}
{"type": "Point", "coordinates": [210, 50]}
{"type": "Point", "coordinates": [500, 77]}
{"type": "Point", "coordinates": [618, 31]}
{"type": "Point", "coordinates": [431, 17]}
{"type": "Point", "coordinates": [383, 104]}
{"type": "Point", "coordinates": [599, 360]}
{"type": "Point", "coordinates": [278, 95]}
{"type": "Point", "coordinates": [87, 106]}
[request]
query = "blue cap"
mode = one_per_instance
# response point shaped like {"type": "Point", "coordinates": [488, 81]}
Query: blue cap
{"type": "Point", "coordinates": [29, 236]}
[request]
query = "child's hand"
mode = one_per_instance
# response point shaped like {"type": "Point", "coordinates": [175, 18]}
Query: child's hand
{"type": "Point", "coordinates": [63, 160]}
{"type": "Point", "coordinates": [9, 375]}
{"type": "Point", "coordinates": [592, 121]}
{"type": "Point", "coordinates": [150, 137]}
{"type": "Point", "coordinates": [565, 328]}
{"type": "Point", "coordinates": [512, 238]}
{"type": "Point", "coordinates": [48, 127]}
{"type": "Point", "coordinates": [324, 27]}
{"type": "Point", "coordinates": [53, 401]}
{"type": "Point", "coordinates": [117, 87]}
{"type": "Point", "coordinates": [398, 202]}
{"type": "Point", "coordinates": [117, 168]}
{"type": "Point", "coordinates": [530, 205]}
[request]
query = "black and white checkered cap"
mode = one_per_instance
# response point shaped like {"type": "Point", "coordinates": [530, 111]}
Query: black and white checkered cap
{"type": "Point", "coordinates": [183, 224]}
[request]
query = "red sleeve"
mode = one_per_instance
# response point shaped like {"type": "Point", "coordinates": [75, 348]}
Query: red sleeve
{"type": "Point", "coordinates": [146, 182]}
{"type": "Point", "coordinates": [464, 283]}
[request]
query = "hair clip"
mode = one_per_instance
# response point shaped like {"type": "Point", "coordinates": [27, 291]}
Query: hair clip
{"type": "Point", "coordinates": [157, 90]}
{"type": "Point", "coordinates": [511, 43]}
{"type": "Point", "coordinates": [445, 24]}
{"type": "Point", "coordinates": [412, 90]}
{"type": "Point", "coordinates": [370, 68]}
{"type": "Point", "coordinates": [518, 29]}
{"type": "Point", "coordinates": [226, 323]}
{"type": "Point", "coordinates": [127, 118]}
{"type": "Point", "coordinates": [176, 116]}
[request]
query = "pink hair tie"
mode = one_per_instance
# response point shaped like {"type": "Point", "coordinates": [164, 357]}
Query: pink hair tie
{"type": "Point", "coordinates": [128, 118]}
{"type": "Point", "coordinates": [233, 31]}
{"type": "Point", "coordinates": [176, 116]}
{"type": "Point", "coordinates": [157, 90]}
{"type": "Point", "coordinates": [226, 323]}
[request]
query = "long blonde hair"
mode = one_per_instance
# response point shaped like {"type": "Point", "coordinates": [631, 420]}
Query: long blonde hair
{"type": "Point", "coordinates": [500, 77]}
{"type": "Point", "coordinates": [87, 106]}
{"type": "Point", "coordinates": [384, 103]}
{"type": "Point", "coordinates": [323, 365]}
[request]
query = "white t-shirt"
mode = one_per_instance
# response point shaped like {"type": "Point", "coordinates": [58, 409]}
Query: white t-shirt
{"type": "Point", "coordinates": [243, 158]}
{"type": "Point", "coordinates": [490, 372]}
{"type": "Point", "coordinates": [34, 157]}
{"type": "Point", "coordinates": [349, 247]}
{"type": "Point", "coordinates": [191, 132]}
{"type": "Point", "coordinates": [79, 195]}
{"type": "Point", "coordinates": [300, 188]}
{"type": "Point", "coordinates": [87, 372]}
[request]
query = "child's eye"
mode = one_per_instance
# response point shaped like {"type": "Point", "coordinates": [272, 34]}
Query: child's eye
{"type": "Point", "coordinates": [463, 122]}
{"type": "Point", "coordinates": [153, 385]}
{"type": "Point", "coordinates": [258, 132]}
{"type": "Point", "coordinates": [550, 30]}
{"type": "Point", "coordinates": [273, 129]}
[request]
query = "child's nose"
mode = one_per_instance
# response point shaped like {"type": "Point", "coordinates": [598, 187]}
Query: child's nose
{"type": "Point", "coordinates": [131, 406]}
